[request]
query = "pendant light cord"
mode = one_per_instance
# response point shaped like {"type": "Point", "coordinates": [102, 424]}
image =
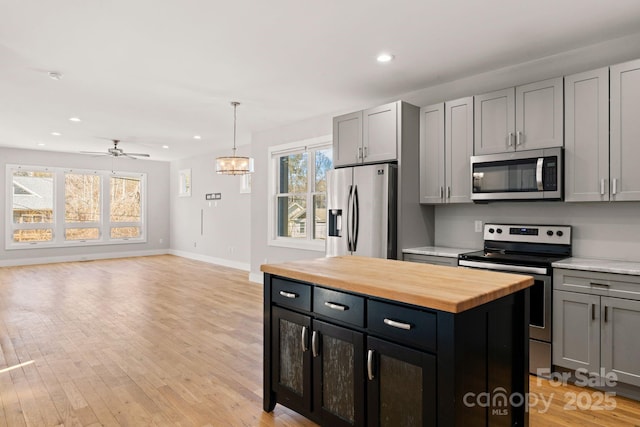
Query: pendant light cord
{"type": "Point", "coordinates": [235, 106]}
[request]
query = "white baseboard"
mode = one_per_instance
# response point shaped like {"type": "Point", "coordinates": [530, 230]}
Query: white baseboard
{"type": "Point", "coordinates": [256, 277]}
{"type": "Point", "coordinates": [212, 260]}
{"type": "Point", "coordinates": [83, 257]}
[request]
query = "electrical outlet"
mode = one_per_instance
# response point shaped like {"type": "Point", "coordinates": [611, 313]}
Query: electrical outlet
{"type": "Point", "coordinates": [478, 226]}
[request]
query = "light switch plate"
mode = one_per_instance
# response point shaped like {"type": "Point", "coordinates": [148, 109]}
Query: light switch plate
{"type": "Point", "coordinates": [478, 226]}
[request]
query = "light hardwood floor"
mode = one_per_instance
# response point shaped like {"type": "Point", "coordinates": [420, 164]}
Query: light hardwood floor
{"type": "Point", "coordinates": [157, 341]}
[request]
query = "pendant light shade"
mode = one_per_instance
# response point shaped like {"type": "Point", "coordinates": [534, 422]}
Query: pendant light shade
{"type": "Point", "coordinates": [234, 165]}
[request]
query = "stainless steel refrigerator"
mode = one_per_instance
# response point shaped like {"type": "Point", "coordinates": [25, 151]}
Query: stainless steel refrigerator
{"type": "Point", "coordinates": [362, 211]}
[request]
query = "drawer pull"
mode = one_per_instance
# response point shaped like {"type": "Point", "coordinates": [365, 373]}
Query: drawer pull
{"type": "Point", "coordinates": [334, 306]}
{"type": "Point", "coordinates": [593, 312]}
{"type": "Point", "coordinates": [398, 325]}
{"type": "Point", "coordinates": [602, 285]}
{"type": "Point", "coordinates": [605, 314]}
{"type": "Point", "coordinates": [370, 365]}
{"type": "Point", "coordinates": [288, 294]}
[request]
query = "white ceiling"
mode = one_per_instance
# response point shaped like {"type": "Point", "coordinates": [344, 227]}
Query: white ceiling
{"type": "Point", "coordinates": [157, 72]}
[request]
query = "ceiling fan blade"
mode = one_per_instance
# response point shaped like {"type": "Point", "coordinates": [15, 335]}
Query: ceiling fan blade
{"type": "Point", "coordinates": [138, 154]}
{"type": "Point", "coordinates": [102, 153]}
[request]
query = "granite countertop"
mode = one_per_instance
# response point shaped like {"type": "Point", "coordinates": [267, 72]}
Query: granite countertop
{"type": "Point", "coordinates": [442, 251]}
{"type": "Point", "coordinates": [437, 287]}
{"type": "Point", "coordinates": [602, 265]}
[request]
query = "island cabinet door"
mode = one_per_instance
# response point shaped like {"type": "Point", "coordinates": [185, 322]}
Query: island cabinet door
{"type": "Point", "coordinates": [291, 359]}
{"type": "Point", "coordinates": [338, 375]}
{"type": "Point", "coordinates": [401, 385]}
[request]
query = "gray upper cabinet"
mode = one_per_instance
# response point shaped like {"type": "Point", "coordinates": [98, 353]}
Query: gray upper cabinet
{"type": "Point", "coordinates": [495, 122]}
{"type": "Point", "coordinates": [625, 131]}
{"type": "Point", "coordinates": [368, 136]}
{"type": "Point", "coordinates": [526, 117]}
{"type": "Point", "coordinates": [432, 161]}
{"type": "Point", "coordinates": [587, 136]}
{"type": "Point", "coordinates": [446, 144]}
{"type": "Point", "coordinates": [347, 139]}
{"type": "Point", "coordinates": [380, 133]}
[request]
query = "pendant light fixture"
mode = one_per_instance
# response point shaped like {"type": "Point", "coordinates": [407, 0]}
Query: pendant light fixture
{"type": "Point", "coordinates": [234, 165]}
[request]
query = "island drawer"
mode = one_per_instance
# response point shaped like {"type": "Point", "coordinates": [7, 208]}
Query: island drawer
{"type": "Point", "coordinates": [291, 294]}
{"type": "Point", "coordinates": [406, 325]}
{"type": "Point", "coordinates": [339, 305]}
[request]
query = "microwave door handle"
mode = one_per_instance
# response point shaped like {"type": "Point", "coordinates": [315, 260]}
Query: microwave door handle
{"type": "Point", "coordinates": [539, 166]}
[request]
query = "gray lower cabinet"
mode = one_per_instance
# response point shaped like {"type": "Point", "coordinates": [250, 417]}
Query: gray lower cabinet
{"type": "Point", "coordinates": [431, 259]}
{"type": "Point", "coordinates": [593, 327]}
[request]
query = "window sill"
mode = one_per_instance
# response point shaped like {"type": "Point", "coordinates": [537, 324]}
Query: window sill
{"type": "Point", "coordinates": [86, 243]}
{"type": "Point", "coordinates": [306, 245]}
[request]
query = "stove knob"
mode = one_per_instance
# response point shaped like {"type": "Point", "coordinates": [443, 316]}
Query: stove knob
{"type": "Point", "coordinates": [559, 233]}
{"type": "Point", "coordinates": [499, 230]}
{"type": "Point", "coordinates": [549, 233]}
{"type": "Point", "coordinates": [491, 230]}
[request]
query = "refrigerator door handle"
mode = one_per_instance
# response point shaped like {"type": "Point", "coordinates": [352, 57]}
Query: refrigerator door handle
{"type": "Point", "coordinates": [356, 218]}
{"type": "Point", "coordinates": [349, 214]}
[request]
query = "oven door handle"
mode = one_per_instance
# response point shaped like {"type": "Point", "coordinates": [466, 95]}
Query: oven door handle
{"type": "Point", "coordinates": [503, 267]}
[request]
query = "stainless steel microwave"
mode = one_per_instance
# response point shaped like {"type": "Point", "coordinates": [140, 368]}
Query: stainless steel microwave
{"type": "Point", "coordinates": [519, 175]}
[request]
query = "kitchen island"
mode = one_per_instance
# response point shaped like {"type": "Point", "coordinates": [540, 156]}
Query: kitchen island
{"type": "Point", "coordinates": [354, 341]}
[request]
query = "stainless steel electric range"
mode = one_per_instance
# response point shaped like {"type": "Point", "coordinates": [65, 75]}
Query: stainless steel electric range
{"type": "Point", "coordinates": [527, 249]}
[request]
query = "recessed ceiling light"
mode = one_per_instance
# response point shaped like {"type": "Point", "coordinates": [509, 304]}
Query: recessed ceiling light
{"type": "Point", "coordinates": [75, 119]}
{"type": "Point", "coordinates": [41, 144]}
{"type": "Point", "coordinates": [197, 137]}
{"type": "Point", "coordinates": [55, 75]}
{"type": "Point", "coordinates": [384, 57]}
{"type": "Point", "coordinates": [165, 146]}
{"type": "Point", "coordinates": [56, 133]}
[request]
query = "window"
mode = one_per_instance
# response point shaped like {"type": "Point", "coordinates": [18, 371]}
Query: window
{"type": "Point", "coordinates": [298, 202]}
{"type": "Point", "coordinates": [61, 207]}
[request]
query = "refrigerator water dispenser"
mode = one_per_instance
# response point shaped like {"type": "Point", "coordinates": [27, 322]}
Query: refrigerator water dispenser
{"type": "Point", "coordinates": [335, 222]}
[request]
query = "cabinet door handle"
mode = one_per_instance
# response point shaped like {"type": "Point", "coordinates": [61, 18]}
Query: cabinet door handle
{"type": "Point", "coordinates": [304, 339]}
{"type": "Point", "coordinates": [365, 152]}
{"type": "Point", "coordinates": [603, 182]}
{"type": "Point", "coordinates": [288, 294]}
{"type": "Point", "coordinates": [519, 138]}
{"type": "Point", "coordinates": [605, 314]}
{"type": "Point", "coordinates": [615, 186]}
{"type": "Point", "coordinates": [593, 312]}
{"type": "Point", "coordinates": [510, 139]}
{"type": "Point", "coordinates": [399, 325]}
{"type": "Point", "coordinates": [441, 192]}
{"type": "Point", "coordinates": [359, 155]}
{"type": "Point", "coordinates": [448, 192]}
{"type": "Point", "coordinates": [370, 365]}
{"type": "Point", "coordinates": [314, 344]}
{"type": "Point", "coordinates": [334, 306]}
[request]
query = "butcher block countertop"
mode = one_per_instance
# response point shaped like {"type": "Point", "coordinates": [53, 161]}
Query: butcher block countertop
{"type": "Point", "coordinates": [443, 288]}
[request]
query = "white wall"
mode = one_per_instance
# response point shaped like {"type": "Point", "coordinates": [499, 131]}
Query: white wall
{"type": "Point", "coordinates": [260, 252]}
{"type": "Point", "coordinates": [157, 206]}
{"type": "Point", "coordinates": [223, 236]}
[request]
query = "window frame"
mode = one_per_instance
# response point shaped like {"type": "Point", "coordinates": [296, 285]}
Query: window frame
{"type": "Point", "coordinates": [274, 153]}
{"type": "Point", "coordinates": [59, 224]}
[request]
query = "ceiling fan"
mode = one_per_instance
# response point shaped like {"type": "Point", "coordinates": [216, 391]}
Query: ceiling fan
{"type": "Point", "coordinates": [116, 152]}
